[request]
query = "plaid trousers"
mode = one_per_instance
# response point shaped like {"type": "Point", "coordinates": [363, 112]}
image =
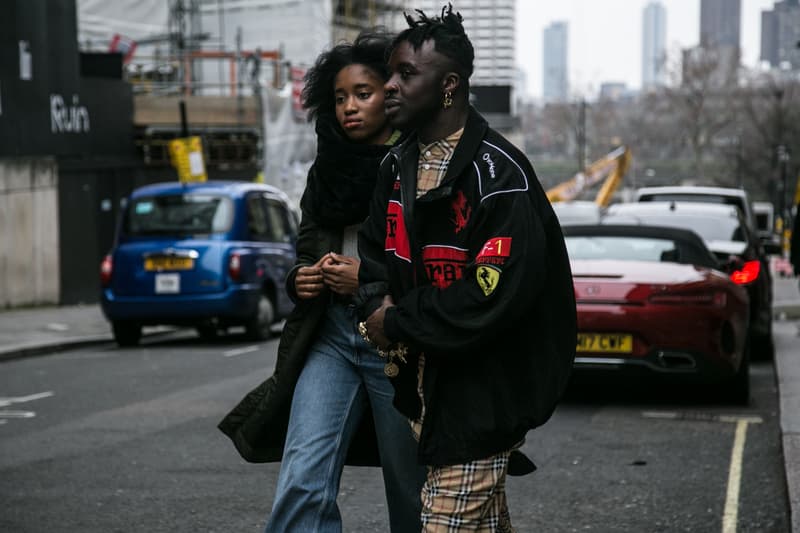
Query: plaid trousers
{"type": "Point", "coordinates": [467, 497]}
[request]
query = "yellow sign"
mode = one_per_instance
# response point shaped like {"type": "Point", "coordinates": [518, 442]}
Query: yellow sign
{"type": "Point", "coordinates": [487, 279]}
{"type": "Point", "coordinates": [186, 155]}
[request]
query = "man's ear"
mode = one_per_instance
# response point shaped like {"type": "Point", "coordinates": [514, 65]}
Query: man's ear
{"type": "Point", "coordinates": [451, 82]}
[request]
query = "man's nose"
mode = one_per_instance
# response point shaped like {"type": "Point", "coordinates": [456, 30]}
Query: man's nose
{"type": "Point", "coordinates": [390, 87]}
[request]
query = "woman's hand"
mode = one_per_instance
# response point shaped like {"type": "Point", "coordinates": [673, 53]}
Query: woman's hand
{"type": "Point", "coordinates": [340, 273]}
{"type": "Point", "coordinates": [308, 282]}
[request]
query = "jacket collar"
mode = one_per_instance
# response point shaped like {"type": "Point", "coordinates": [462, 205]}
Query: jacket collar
{"type": "Point", "coordinates": [474, 132]}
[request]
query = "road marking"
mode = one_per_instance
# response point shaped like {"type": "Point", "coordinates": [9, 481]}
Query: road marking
{"type": "Point", "coordinates": [240, 351]}
{"type": "Point", "coordinates": [3, 421]}
{"type": "Point", "coordinates": [5, 402]}
{"type": "Point", "coordinates": [17, 414]}
{"type": "Point", "coordinates": [731, 513]}
{"type": "Point", "coordinates": [702, 417]}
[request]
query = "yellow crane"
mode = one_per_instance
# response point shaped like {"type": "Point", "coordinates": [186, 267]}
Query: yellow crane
{"type": "Point", "coordinates": [612, 167]}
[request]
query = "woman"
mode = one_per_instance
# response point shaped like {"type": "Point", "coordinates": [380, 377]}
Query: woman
{"type": "Point", "coordinates": [340, 399]}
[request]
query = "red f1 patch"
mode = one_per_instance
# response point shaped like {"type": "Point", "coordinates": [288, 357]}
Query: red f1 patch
{"type": "Point", "coordinates": [495, 251]}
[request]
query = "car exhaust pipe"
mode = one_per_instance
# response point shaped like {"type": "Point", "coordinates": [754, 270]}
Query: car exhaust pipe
{"type": "Point", "coordinates": [676, 360]}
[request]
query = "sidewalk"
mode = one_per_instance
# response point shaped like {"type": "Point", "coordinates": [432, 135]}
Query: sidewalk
{"type": "Point", "coordinates": [42, 330]}
{"type": "Point", "coordinates": [39, 330]}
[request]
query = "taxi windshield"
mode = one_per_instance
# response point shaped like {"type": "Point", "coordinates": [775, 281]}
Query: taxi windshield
{"type": "Point", "coordinates": [178, 215]}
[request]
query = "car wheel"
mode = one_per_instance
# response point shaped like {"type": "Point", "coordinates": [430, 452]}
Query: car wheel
{"type": "Point", "coordinates": [737, 388]}
{"type": "Point", "coordinates": [126, 333]}
{"type": "Point", "coordinates": [761, 345]}
{"type": "Point", "coordinates": [207, 332]}
{"type": "Point", "coordinates": [258, 326]}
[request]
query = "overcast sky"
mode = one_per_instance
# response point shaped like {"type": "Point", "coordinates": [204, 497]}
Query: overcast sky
{"type": "Point", "coordinates": [605, 37]}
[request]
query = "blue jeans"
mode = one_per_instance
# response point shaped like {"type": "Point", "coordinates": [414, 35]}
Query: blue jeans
{"type": "Point", "coordinates": [342, 373]}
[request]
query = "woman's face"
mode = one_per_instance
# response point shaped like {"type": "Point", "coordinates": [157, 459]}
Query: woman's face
{"type": "Point", "coordinates": [358, 91]}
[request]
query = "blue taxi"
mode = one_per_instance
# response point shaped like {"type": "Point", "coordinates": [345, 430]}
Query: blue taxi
{"type": "Point", "coordinates": [209, 255]}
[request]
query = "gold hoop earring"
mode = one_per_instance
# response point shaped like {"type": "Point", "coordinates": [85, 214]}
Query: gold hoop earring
{"type": "Point", "coordinates": [448, 100]}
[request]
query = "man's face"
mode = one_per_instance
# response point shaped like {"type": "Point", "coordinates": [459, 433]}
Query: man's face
{"type": "Point", "coordinates": [414, 90]}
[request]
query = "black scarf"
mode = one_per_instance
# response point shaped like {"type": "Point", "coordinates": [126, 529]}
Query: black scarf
{"type": "Point", "coordinates": [342, 178]}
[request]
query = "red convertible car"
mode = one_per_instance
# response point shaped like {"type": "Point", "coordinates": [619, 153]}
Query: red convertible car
{"type": "Point", "coordinates": [653, 300]}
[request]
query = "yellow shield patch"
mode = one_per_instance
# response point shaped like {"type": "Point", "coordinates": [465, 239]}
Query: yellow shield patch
{"type": "Point", "coordinates": [487, 278]}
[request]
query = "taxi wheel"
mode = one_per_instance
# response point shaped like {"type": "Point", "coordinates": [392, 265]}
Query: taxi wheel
{"type": "Point", "coordinates": [126, 333]}
{"type": "Point", "coordinates": [258, 326]}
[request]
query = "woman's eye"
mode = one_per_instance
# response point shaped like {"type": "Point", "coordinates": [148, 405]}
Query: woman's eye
{"type": "Point", "coordinates": [339, 100]}
{"type": "Point", "coordinates": [364, 96]}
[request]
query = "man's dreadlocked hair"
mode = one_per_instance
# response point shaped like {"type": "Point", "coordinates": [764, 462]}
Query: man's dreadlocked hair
{"type": "Point", "coordinates": [447, 33]}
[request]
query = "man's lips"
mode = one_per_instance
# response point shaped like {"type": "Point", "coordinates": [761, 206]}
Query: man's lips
{"type": "Point", "coordinates": [390, 104]}
{"type": "Point", "coordinates": [351, 124]}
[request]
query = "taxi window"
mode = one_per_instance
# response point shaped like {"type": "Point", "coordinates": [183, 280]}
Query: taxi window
{"type": "Point", "coordinates": [178, 215]}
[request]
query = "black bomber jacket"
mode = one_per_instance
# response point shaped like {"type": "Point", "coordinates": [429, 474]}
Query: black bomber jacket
{"type": "Point", "coordinates": [479, 273]}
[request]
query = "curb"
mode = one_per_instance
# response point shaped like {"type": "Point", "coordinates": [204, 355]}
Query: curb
{"type": "Point", "coordinates": [31, 349]}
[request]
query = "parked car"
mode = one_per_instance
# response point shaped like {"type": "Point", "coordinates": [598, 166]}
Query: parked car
{"type": "Point", "coordinates": [210, 255]}
{"type": "Point", "coordinates": [577, 212]}
{"type": "Point", "coordinates": [721, 195]}
{"type": "Point", "coordinates": [695, 193]}
{"type": "Point", "coordinates": [726, 233]}
{"type": "Point", "coordinates": [652, 301]}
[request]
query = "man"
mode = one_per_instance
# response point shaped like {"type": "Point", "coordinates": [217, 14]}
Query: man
{"type": "Point", "coordinates": [465, 282]}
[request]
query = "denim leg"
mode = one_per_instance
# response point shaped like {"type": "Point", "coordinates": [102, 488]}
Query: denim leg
{"type": "Point", "coordinates": [328, 403]}
{"type": "Point", "coordinates": [403, 477]}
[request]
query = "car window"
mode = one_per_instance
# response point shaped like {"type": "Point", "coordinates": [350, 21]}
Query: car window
{"type": "Point", "coordinates": [258, 224]}
{"type": "Point", "coordinates": [710, 228]}
{"type": "Point", "coordinates": [178, 215]}
{"type": "Point", "coordinates": [281, 230]}
{"type": "Point", "coordinates": [685, 197]}
{"type": "Point", "coordinates": [622, 248]}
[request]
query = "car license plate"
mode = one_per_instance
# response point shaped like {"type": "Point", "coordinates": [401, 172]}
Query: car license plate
{"type": "Point", "coordinates": [168, 263]}
{"type": "Point", "coordinates": [168, 283]}
{"type": "Point", "coordinates": [605, 342]}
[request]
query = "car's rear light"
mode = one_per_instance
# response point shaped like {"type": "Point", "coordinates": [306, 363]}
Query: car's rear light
{"type": "Point", "coordinates": [717, 299]}
{"type": "Point", "coordinates": [235, 267]}
{"type": "Point", "coordinates": [747, 274]}
{"type": "Point", "coordinates": [106, 269]}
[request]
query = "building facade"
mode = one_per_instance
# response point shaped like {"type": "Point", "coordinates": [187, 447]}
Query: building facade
{"type": "Point", "coordinates": [780, 35]}
{"type": "Point", "coordinates": [555, 63]}
{"type": "Point", "coordinates": [720, 23]}
{"type": "Point", "coordinates": [654, 50]}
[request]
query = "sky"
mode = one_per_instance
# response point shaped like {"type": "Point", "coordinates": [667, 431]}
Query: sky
{"type": "Point", "coordinates": [605, 38]}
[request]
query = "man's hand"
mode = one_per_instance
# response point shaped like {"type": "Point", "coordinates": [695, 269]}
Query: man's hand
{"type": "Point", "coordinates": [340, 273]}
{"type": "Point", "coordinates": [375, 324]}
{"type": "Point", "coordinates": [308, 282]}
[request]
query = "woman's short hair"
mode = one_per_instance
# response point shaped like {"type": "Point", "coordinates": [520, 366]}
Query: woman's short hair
{"type": "Point", "coordinates": [368, 49]}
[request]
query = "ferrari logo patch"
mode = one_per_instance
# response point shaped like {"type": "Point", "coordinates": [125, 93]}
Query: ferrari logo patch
{"type": "Point", "coordinates": [488, 278]}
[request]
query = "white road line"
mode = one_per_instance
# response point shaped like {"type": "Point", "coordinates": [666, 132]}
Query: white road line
{"type": "Point", "coordinates": [3, 421]}
{"type": "Point", "coordinates": [240, 351]}
{"type": "Point", "coordinates": [17, 414]}
{"type": "Point", "coordinates": [731, 513]}
{"type": "Point", "coordinates": [5, 402]}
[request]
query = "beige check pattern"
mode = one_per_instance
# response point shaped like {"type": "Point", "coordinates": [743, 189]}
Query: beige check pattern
{"type": "Point", "coordinates": [433, 161]}
{"type": "Point", "coordinates": [468, 497]}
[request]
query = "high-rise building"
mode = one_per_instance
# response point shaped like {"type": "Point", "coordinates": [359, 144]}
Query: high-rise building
{"type": "Point", "coordinates": [720, 22]}
{"type": "Point", "coordinates": [555, 78]}
{"type": "Point", "coordinates": [780, 35]}
{"type": "Point", "coordinates": [654, 50]}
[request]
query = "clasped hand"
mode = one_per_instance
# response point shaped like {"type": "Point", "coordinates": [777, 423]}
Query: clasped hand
{"type": "Point", "coordinates": [337, 272]}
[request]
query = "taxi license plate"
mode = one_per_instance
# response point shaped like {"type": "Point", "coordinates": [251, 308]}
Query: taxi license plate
{"type": "Point", "coordinates": [168, 263]}
{"type": "Point", "coordinates": [605, 342]}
